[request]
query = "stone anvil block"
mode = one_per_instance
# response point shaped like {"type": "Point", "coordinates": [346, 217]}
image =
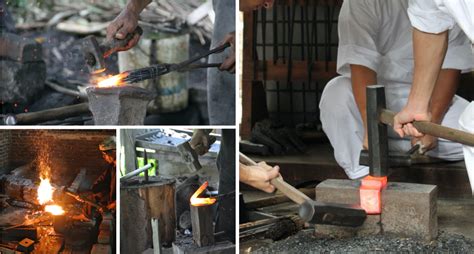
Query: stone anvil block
{"type": "Point", "coordinates": [121, 105]}
{"type": "Point", "coordinates": [408, 209]}
{"type": "Point", "coordinates": [22, 69]}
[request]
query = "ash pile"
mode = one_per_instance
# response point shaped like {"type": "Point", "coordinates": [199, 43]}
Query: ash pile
{"type": "Point", "coordinates": [42, 65]}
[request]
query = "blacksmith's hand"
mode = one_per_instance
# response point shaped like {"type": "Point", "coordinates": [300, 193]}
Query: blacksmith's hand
{"type": "Point", "coordinates": [122, 25]}
{"type": "Point", "coordinates": [402, 122]}
{"type": "Point", "coordinates": [229, 62]}
{"type": "Point", "coordinates": [200, 141]}
{"type": "Point", "coordinates": [259, 176]}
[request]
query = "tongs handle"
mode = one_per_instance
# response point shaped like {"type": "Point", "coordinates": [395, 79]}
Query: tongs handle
{"type": "Point", "coordinates": [196, 58]}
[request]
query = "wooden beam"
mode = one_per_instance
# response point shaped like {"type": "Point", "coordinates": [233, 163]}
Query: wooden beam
{"type": "Point", "coordinates": [278, 71]}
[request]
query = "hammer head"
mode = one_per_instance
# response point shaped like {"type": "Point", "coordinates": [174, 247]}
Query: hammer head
{"type": "Point", "coordinates": [316, 212]}
{"type": "Point", "coordinates": [93, 55]}
{"type": "Point", "coordinates": [189, 156]}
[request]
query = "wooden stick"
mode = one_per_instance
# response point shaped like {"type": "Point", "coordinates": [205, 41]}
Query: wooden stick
{"type": "Point", "coordinates": [52, 114]}
{"type": "Point", "coordinates": [290, 191]}
{"type": "Point", "coordinates": [436, 130]}
{"type": "Point", "coordinates": [277, 199]}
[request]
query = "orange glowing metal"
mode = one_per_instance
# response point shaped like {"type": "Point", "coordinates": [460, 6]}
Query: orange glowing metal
{"type": "Point", "coordinates": [195, 201]}
{"type": "Point", "coordinates": [111, 81]}
{"type": "Point", "coordinates": [370, 194]}
{"type": "Point", "coordinates": [54, 209]}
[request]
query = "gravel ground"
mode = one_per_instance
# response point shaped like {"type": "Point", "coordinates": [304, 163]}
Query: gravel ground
{"type": "Point", "coordinates": [305, 242]}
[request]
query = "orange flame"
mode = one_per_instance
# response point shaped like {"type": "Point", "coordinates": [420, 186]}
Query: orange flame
{"type": "Point", "coordinates": [54, 209]}
{"type": "Point", "coordinates": [45, 196]}
{"type": "Point", "coordinates": [112, 80]}
{"type": "Point", "coordinates": [45, 191]}
{"type": "Point", "coordinates": [195, 201]}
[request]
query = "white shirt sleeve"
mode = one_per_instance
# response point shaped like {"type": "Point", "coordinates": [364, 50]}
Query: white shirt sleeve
{"type": "Point", "coordinates": [459, 55]}
{"type": "Point", "coordinates": [427, 17]}
{"type": "Point", "coordinates": [358, 28]}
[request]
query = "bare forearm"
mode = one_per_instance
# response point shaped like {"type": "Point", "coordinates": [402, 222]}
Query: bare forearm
{"type": "Point", "coordinates": [137, 6]}
{"type": "Point", "coordinates": [443, 94]}
{"type": "Point", "coordinates": [361, 77]}
{"type": "Point", "coordinates": [429, 51]}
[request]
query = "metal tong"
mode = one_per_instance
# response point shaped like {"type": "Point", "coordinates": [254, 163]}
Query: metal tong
{"type": "Point", "coordinates": [162, 69]}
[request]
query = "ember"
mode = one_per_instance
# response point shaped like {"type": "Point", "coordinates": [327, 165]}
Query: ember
{"type": "Point", "coordinates": [54, 209]}
{"type": "Point", "coordinates": [111, 81]}
{"type": "Point", "coordinates": [195, 201]}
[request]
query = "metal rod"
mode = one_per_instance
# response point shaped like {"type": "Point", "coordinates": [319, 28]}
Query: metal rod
{"type": "Point", "coordinates": [377, 131]}
{"type": "Point", "coordinates": [137, 171]}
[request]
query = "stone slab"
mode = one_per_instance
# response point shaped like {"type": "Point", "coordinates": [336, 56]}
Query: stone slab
{"type": "Point", "coordinates": [407, 209]}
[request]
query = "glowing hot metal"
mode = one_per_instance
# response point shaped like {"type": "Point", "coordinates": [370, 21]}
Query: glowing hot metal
{"type": "Point", "coordinates": [195, 201]}
{"type": "Point", "coordinates": [54, 209]}
{"type": "Point", "coordinates": [112, 81]}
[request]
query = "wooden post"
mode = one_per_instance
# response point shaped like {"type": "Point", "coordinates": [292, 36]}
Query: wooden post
{"type": "Point", "coordinates": [155, 226]}
{"type": "Point", "coordinates": [201, 220]}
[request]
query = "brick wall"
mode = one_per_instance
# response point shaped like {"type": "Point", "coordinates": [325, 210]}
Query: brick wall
{"type": "Point", "coordinates": [64, 151]}
{"type": "Point", "coordinates": [4, 149]}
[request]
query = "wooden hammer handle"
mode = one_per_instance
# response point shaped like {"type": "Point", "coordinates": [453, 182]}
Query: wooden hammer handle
{"type": "Point", "coordinates": [436, 130]}
{"type": "Point", "coordinates": [291, 192]}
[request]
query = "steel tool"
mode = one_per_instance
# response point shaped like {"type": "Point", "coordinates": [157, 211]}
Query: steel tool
{"type": "Point", "coordinates": [95, 53]}
{"type": "Point", "coordinates": [314, 211]}
{"type": "Point", "coordinates": [157, 70]}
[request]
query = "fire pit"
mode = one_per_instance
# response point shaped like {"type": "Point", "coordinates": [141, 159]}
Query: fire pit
{"type": "Point", "coordinates": [56, 201]}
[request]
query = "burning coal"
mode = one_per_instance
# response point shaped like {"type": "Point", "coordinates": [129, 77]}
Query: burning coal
{"type": "Point", "coordinates": [196, 201]}
{"type": "Point", "coordinates": [54, 209]}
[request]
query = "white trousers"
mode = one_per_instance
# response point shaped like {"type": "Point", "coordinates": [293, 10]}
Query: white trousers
{"type": "Point", "coordinates": [467, 124]}
{"type": "Point", "coordinates": [343, 125]}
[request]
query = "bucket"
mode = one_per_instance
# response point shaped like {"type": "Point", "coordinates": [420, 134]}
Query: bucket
{"type": "Point", "coordinates": [171, 89]}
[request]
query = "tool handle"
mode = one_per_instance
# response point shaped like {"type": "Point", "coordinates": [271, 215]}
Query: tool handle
{"type": "Point", "coordinates": [291, 192]}
{"type": "Point", "coordinates": [111, 46]}
{"type": "Point", "coordinates": [196, 58]}
{"type": "Point", "coordinates": [436, 130]}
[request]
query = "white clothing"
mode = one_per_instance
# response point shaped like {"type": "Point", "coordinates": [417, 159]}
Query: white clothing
{"type": "Point", "coordinates": [377, 34]}
{"type": "Point", "coordinates": [466, 123]}
{"type": "Point", "coordinates": [436, 16]}
{"type": "Point", "coordinates": [343, 125]}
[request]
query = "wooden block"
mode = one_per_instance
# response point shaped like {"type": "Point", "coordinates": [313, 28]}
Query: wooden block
{"type": "Point", "coordinates": [202, 223]}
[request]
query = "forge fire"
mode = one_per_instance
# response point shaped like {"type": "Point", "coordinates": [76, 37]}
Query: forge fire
{"type": "Point", "coordinates": [57, 191]}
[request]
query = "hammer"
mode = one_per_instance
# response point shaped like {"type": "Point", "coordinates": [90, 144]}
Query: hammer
{"type": "Point", "coordinates": [314, 211]}
{"type": "Point", "coordinates": [190, 155]}
{"type": "Point", "coordinates": [95, 53]}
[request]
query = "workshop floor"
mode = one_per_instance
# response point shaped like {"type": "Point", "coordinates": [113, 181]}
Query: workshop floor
{"type": "Point", "coordinates": [455, 220]}
{"type": "Point", "coordinates": [456, 226]}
